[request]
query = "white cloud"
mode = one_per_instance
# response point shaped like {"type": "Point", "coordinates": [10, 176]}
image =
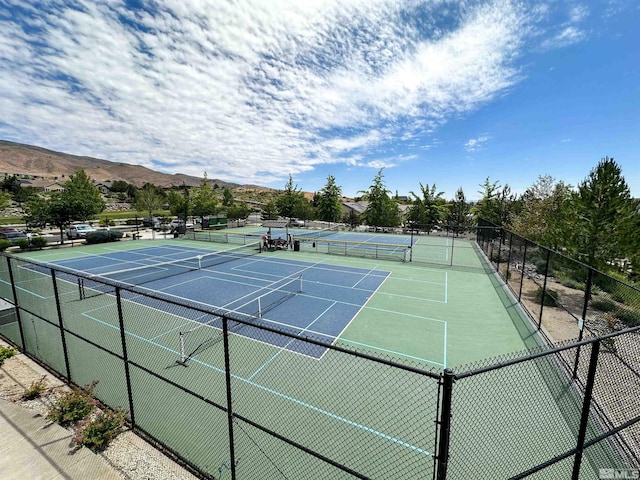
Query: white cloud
{"type": "Point", "coordinates": [250, 92]}
{"type": "Point", "coordinates": [570, 31]}
{"type": "Point", "coordinates": [476, 144]}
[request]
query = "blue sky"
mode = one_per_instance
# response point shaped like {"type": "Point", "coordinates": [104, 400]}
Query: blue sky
{"type": "Point", "coordinates": [253, 91]}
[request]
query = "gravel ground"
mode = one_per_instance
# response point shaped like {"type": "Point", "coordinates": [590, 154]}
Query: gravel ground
{"type": "Point", "coordinates": [129, 455]}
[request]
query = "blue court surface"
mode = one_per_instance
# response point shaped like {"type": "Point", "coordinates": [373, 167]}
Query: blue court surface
{"type": "Point", "coordinates": [311, 299]}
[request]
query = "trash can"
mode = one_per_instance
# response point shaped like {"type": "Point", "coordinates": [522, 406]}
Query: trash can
{"type": "Point", "coordinates": [296, 245]}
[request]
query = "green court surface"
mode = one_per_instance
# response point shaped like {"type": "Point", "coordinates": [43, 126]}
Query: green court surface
{"type": "Point", "coordinates": [441, 316]}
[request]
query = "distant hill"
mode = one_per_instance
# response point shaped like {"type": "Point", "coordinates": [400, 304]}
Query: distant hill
{"type": "Point", "coordinates": [20, 159]}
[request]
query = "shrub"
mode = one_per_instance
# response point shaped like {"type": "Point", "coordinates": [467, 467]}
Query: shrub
{"type": "Point", "coordinates": [550, 298]}
{"type": "Point", "coordinates": [603, 304]}
{"type": "Point", "coordinates": [38, 242]}
{"type": "Point", "coordinates": [4, 244]}
{"type": "Point", "coordinates": [629, 317]}
{"type": "Point", "coordinates": [571, 283]}
{"type": "Point", "coordinates": [23, 243]}
{"type": "Point", "coordinates": [96, 433]}
{"type": "Point", "coordinates": [6, 352]}
{"type": "Point", "coordinates": [103, 236]}
{"type": "Point", "coordinates": [35, 390]}
{"type": "Point", "coordinates": [73, 405]}
{"type": "Point", "coordinates": [541, 265]}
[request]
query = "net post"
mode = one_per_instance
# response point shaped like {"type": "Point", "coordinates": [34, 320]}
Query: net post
{"type": "Point", "coordinates": [183, 355]}
{"type": "Point", "coordinates": [259, 308]}
{"type": "Point", "coordinates": [300, 284]}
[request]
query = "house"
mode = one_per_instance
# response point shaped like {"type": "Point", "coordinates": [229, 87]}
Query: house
{"type": "Point", "coordinates": [54, 187]}
{"type": "Point", "coordinates": [104, 187]}
{"type": "Point", "coordinates": [356, 207]}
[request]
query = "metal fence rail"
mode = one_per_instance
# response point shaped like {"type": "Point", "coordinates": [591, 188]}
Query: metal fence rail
{"type": "Point", "coordinates": [244, 408]}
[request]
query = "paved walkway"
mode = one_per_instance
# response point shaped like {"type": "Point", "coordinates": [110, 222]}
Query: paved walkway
{"type": "Point", "coordinates": [33, 448]}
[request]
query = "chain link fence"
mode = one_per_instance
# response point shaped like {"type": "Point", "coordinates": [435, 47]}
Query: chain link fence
{"type": "Point", "coordinates": [234, 398]}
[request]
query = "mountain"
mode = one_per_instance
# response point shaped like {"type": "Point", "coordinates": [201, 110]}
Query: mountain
{"type": "Point", "coordinates": [20, 159]}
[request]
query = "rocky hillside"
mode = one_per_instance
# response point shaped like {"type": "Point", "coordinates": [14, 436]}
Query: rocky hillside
{"type": "Point", "coordinates": [19, 159]}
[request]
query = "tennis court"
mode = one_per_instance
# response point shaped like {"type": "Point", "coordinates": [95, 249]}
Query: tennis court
{"type": "Point", "coordinates": [295, 296]}
{"type": "Point", "coordinates": [413, 312]}
{"type": "Point", "coordinates": [358, 412]}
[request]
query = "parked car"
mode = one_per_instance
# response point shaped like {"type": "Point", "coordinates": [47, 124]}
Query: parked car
{"type": "Point", "coordinates": [152, 222]}
{"type": "Point", "coordinates": [79, 231]}
{"type": "Point", "coordinates": [13, 237]}
{"type": "Point", "coordinates": [181, 223]}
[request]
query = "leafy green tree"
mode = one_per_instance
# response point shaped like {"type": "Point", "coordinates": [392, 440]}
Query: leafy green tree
{"type": "Point", "coordinates": [289, 200]}
{"type": "Point", "coordinates": [124, 191]}
{"type": "Point", "coordinates": [24, 194]}
{"type": "Point", "coordinates": [329, 207]}
{"type": "Point", "coordinates": [495, 203]}
{"type": "Point", "coordinates": [148, 199]}
{"type": "Point", "coordinates": [270, 211]}
{"type": "Point", "coordinates": [180, 203]}
{"type": "Point", "coordinates": [458, 213]}
{"type": "Point", "coordinates": [382, 210]}
{"type": "Point", "coordinates": [119, 186]}
{"type": "Point", "coordinates": [205, 202]}
{"type": "Point", "coordinates": [37, 212]}
{"type": "Point", "coordinates": [352, 219]}
{"type": "Point", "coordinates": [11, 184]}
{"type": "Point", "coordinates": [604, 215]}
{"type": "Point", "coordinates": [429, 209]}
{"type": "Point", "coordinates": [5, 200]}
{"type": "Point", "coordinates": [305, 211]}
{"type": "Point", "coordinates": [544, 213]}
{"type": "Point", "coordinates": [227, 197]}
{"type": "Point", "coordinates": [238, 211]}
{"type": "Point", "coordinates": [82, 197]}
{"type": "Point", "coordinates": [60, 212]}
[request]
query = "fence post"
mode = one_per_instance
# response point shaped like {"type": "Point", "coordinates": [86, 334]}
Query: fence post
{"type": "Point", "coordinates": [586, 405]}
{"type": "Point", "coordinates": [453, 241]}
{"type": "Point", "coordinates": [585, 307]}
{"type": "Point", "coordinates": [227, 374]}
{"type": "Point", "coordinates": [125, 357]}
{"type": "Point", "coordinates": [63, 338]}
{"type": "Point", "coordinates": [500, 239]}
{"type": "Point", "coordinates": [445, 424]}
{"type": "Point", "coordinates": [544, 288]}
{"type": "Point", "coordinates": [15, 302]}
{"type": "Point", "coordinates": [524, 260]}
{"type": "Point", "coordinates": [508, 271]}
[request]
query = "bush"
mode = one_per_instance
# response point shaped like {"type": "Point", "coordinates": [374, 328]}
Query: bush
{"type": "Point", "coordinates": [35, 390]}
{"type": "Point", "coordinates": [4, 244]}
{"type": "Point", "coordinates": [550, 297]}
{"type": "Point", "coordinates": [103, 236]}
{"type": "Point", "coordinates": [98, 432]}
{"type": "Point", "coordinates": [629, 317]}
{"type": "Point", "coordinates": [38, 242]}
{"type": "Point", "coordinates": [73, 405]}
{"type": "Point", "coordinates": [603, 304]}
{"type": "Point", "coordinates": [23, 243]}
{"type": "Point", "coordinates": [6, 352]}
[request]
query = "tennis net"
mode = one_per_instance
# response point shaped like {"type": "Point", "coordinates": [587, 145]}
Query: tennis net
{"type": "Point", "coordinates": [379, 251]}
{"type": "Point", "coordinates": [93, 285]}
{"type": "Point", "coordinates": [325, 232]}
{"type": "Point", "coordinates": [251, 312]}
{"type": "Point", "coordinates": [223, 237]}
